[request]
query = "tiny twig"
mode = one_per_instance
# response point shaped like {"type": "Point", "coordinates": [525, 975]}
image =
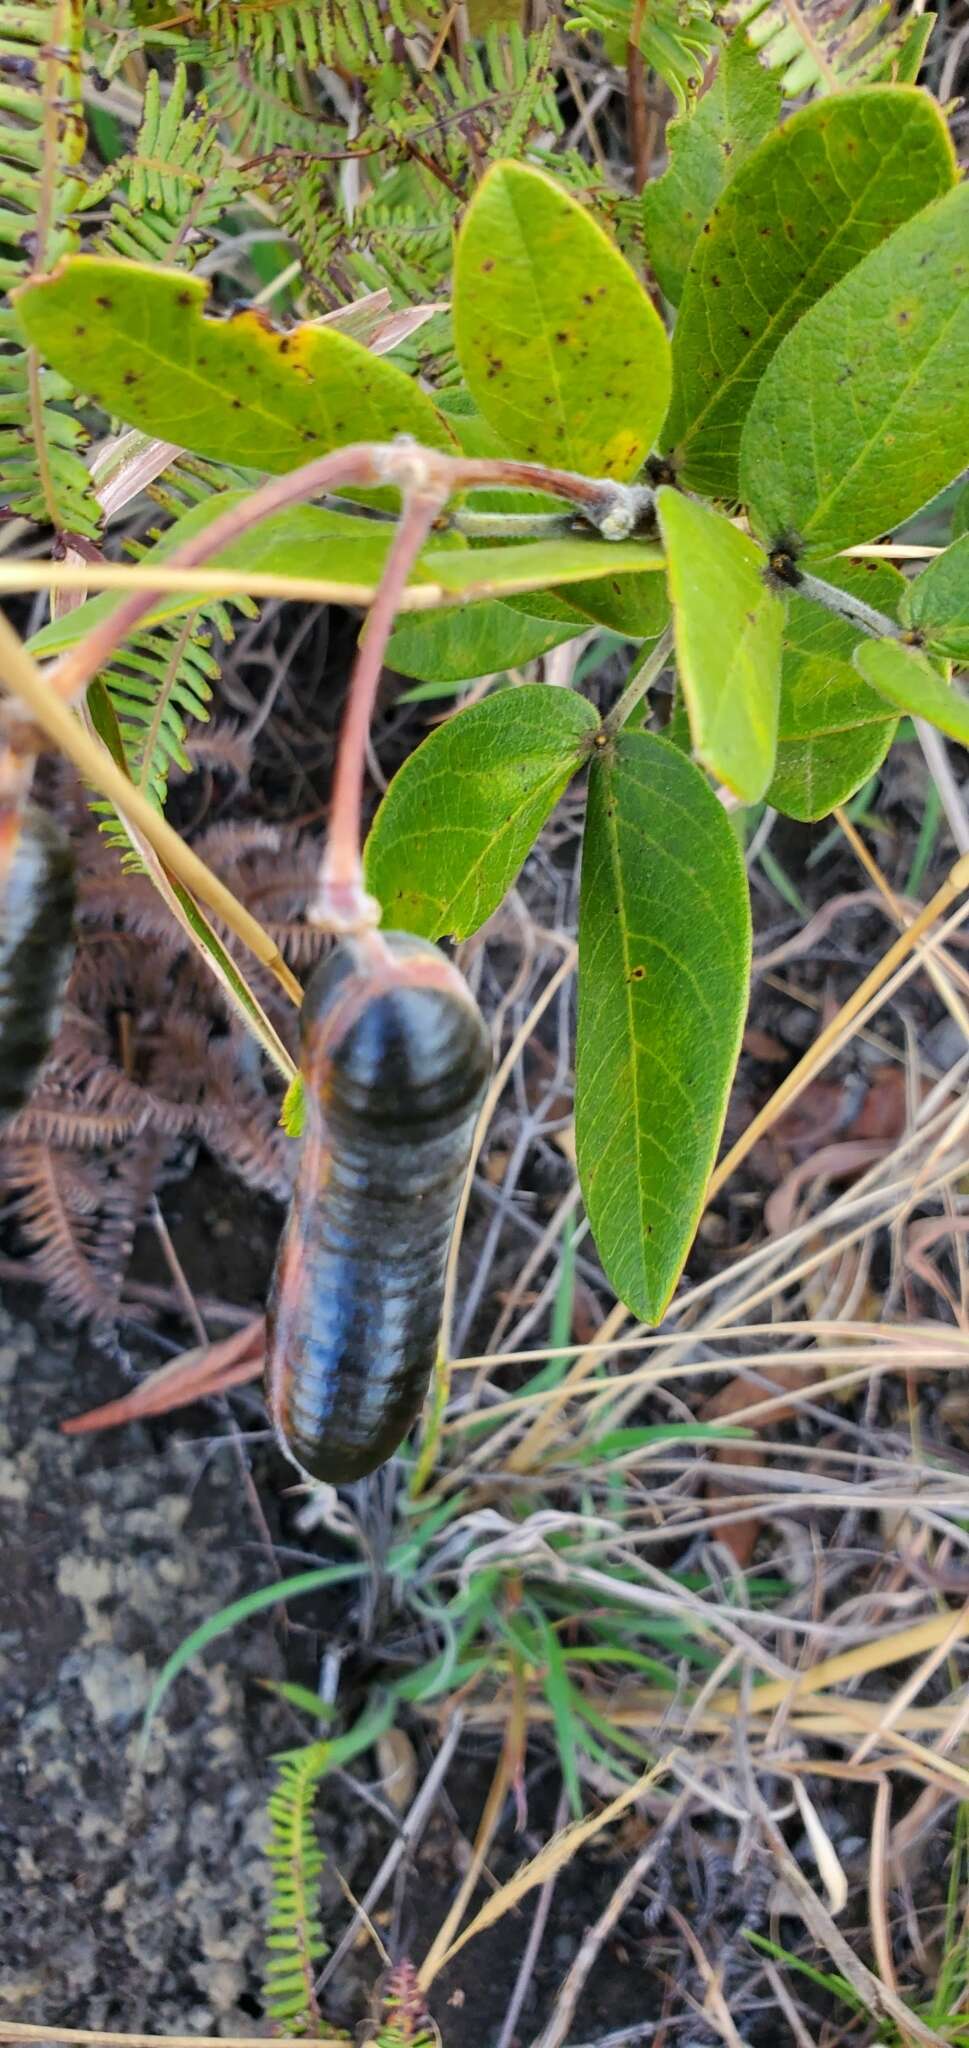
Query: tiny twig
{"type": "Point", "coordinates": [427, 1454]}
{"type": "Point", "coordinates": [526, 1967]}
{"type": "Point", "coordinates": [411, 1830]}
{"type": "Point", "coordinates": [636, 99]}
{"type": "Point", "coordinates": [940, 768]}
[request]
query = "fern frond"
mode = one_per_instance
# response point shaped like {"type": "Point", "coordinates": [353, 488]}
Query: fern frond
{"type": "Point", "coordinates": [172, 187]}
{"type": "Point", "coordinates": [162, 679]}
{"type": "Point", "coordinates": [530, 71]}
{"type": "Point", "coordinates": [295, 1937]}
{"type": "Point", "coordinates": [77, 1222]}
{"type": "Point", "coordinates": [420, 127]}
{"type": "Point", "coordinates": [42, 136]}
{"type": "Point", "coordinates": [259, 103]}
{"type": "Point", "coordinates": [677, 38]}
{"type": "Point", "coordinates": [843, 42]}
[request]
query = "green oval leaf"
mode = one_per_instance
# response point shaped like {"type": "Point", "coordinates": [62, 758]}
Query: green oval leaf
{"type": "Point", "coordinates": [960, 515]}
{"type": "Point", "coordinates": [936, 604]}
{"type": "Point", "coordinates": [664, 963]}
{"type": "Point", "coordinates": [706, 146]}
{"type": "Point", "coordinates": [833, 731]}
{"type": "Point", "coordinates": [728, 627]}
{"type": "Point", "coordinates": [457, 645]}
{"type": "Point", "coordinates": [635, 606]}
{"type": "Point", "coordinates": [805, 208]}
{"type": "Point", "coordinates": [139, 342]}
{"type": "Point", "coordinates": [561, 348]}
{"type": "Point", "coordinates": [463, 811]}
{"type": "Point", "coordinates": [863, 413]}
{"type": "Point", "coordinates": [909, 681]}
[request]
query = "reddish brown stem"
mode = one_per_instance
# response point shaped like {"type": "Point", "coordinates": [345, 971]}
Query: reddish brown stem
{"type": "Point", "coordinates": [636, 100]}
{"type": "Point", "coordinates": [75, 669]}
{"type": "Point", "coordinates": [615, 509]}
{"type": "Point", "coordinates": [341, 902]}
{"type": "Point", "coordinates": [426, 480]}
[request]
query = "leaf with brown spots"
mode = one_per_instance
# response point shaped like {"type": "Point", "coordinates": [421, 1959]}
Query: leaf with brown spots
{"type": "Point", "coordinates": [236, 390]}
{"type": "Point", "coordinates": [862, 416]}
{"type": "Point", "coordinates": [815, 198]}
{"type": "Point", "coordinates": [561, 348]}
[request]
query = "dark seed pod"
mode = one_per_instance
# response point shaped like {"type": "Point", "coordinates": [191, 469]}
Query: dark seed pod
{"type": "Point", "coordinates": [36, 947]}
{"type": "Point", "coordinates": [395, 1063]}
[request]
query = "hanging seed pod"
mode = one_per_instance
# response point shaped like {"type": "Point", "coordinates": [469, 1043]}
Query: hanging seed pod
{"type": "Point", "coordinates": [395, 1067]}
{"type": "Point", "coordinates": [36, 946]}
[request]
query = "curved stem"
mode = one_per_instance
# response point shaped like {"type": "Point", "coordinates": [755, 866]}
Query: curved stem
{"type": "Point", "coordinates": [615, 510]}
{"type": "Point", "coordinates": [340, 902]}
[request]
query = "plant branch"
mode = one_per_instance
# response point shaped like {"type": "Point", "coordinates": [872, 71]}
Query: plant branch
{"type": "Point", "coordinates": [511, 525]}
{"type": "Point", "coordinates": [644, 675]}
{"type": "Point", "coordinates": [21, 676]}
{"type": "Point", "coordinates": [615, 510]}
{"type": "Point", "coordinates": [636, 99]}
{"type": "Point", "coordinates": [785, 575]}
{"type": "Point", "coordinates": [854, 609]}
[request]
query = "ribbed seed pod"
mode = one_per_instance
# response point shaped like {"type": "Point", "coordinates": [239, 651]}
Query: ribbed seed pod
{"type": "Point", "coordinates": [36, 947]}
{"type": "Point", "coordinates": [395, 1069]}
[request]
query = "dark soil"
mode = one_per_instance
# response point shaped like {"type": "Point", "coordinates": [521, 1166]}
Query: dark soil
{"type": "Point", "coordinates": [133, 1893]}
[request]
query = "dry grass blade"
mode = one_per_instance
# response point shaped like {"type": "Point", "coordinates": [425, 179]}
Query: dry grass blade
{"type": "Point", "coordinates": [568, 1997]}
{"type": "Point", "coordinates": [21, 676]}
{"type": "Point", "coordinates": [99, 2037]}
{"type": "Point", "coordinates": [877, 1997]}
{"type": "Point", "coordinates": [553, 1857]}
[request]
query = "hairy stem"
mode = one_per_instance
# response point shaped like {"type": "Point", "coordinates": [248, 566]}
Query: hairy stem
{"type": "Point", "coordinates": [854, 609]}
{"type": "Point", "coordinates": [511, 525]}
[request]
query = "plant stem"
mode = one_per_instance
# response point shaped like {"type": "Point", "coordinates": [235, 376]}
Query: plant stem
{"type": "Point", "coordinates": [644, 675]}
{"type": "Point", "coordinates": [615, 510]}
{"type": "Point", "coordinates": [75, 669]}
{"type": "Point", "coordinates": [21, 676]}
{"type": "Point", "coordinates": [512, 525]}
{"type": "Point", "coordinates": [340, 902]}
{"type": "Point", "coordinates": [854, 609]}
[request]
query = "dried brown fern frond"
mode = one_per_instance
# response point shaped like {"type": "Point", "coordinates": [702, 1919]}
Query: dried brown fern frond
{"type": "Point", "coordinates": [223, 748]}
{"type": "Point", "coordinates": [58, 1213]}
{"type": "Point", "coordinates": [239, 1121]}
{"type": "Point", "coordinates": [146, 1060]}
